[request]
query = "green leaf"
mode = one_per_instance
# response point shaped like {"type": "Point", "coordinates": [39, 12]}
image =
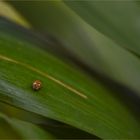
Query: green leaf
{"type": "Point", "coordinates": [117, 19]}
{"type": "Point", "coordinates": [4, 134]}
{"type": "Point", "coordinates": [90, 46]}
{"type": "Point", "coordinates": [67, 94]}
{"type": "Point", "coordinates": [20, 114]}
{"type": "Point", "coordinates": [24, 129]}
{"type": "Point", "coordinates": [56, 129]}
{"type": "Point", "coordinates": [9, 12]}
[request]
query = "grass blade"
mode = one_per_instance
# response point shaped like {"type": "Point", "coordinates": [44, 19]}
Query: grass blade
{"type": "Point", "coordinates": [117, 19]}
{"type": "Point", "coordinates": [94, 49]}
{"type": "Point", "coordinates": [98, 109]}
{"type": "Point", "coordinates": [24, 129]}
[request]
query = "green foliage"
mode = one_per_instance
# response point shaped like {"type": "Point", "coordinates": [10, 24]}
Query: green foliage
{"type": "Point", "coordinates": [70, 94]}
{"type": "Point", "coordinates": [89, 45]}
{"type": "Point", "coordinates": [117, 19]}
{"type": "Point", "coordinates": [25, 130]}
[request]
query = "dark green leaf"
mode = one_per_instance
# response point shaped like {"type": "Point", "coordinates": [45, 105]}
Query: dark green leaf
{"type": "Point", "coordinates": [67, 94]}
{"type": "Point", "coordinates": [90, 46]}
{"type": "Point", "coordinates": [24, 129]}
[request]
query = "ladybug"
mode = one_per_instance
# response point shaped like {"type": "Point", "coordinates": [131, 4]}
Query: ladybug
{"type": "Point", "coordinates": [36, 85]}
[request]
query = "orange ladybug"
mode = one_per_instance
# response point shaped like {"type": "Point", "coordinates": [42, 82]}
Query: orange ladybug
{"type": "Point", "coordinates": [36, 85]}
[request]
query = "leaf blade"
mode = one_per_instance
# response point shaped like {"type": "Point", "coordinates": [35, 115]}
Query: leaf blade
{"type": "Point", "coordinates": [94, 49]}
{"type": "Point", "coordinates": [98, 113]}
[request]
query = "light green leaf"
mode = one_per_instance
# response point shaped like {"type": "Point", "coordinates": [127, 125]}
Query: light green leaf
{"type": "Point", "coordinates": [117, 19]}
{"type": "Point", "coordinates": [9, 12]}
